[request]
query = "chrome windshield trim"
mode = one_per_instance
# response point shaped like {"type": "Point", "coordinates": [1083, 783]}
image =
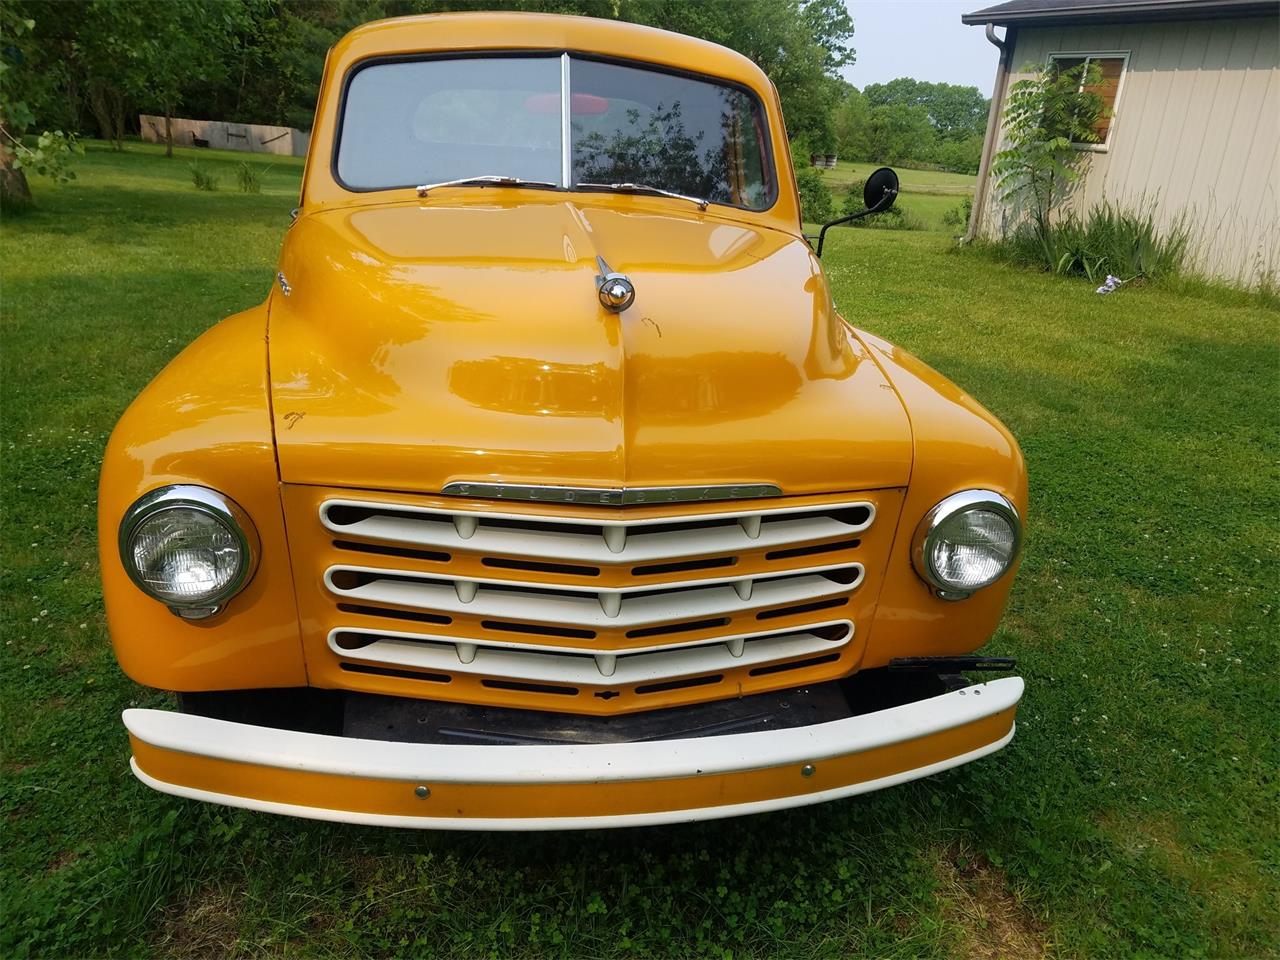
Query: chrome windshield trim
{"type": "Point", "coordinates": [566, 131]}
{"type": "Point", "coordinates": [610, 496]}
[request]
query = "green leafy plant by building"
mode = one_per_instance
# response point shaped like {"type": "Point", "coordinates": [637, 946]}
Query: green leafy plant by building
{"type": "Point", "coordinates": [1048, 115]}
{"type": "Point", "coordinates": [1108, 241]}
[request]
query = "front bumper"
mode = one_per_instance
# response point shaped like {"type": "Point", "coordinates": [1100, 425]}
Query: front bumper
{"type": "Point", "coordinates": [561, 787]}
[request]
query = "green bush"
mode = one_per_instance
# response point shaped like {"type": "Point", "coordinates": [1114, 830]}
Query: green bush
{"type": "Point", "coordinates": [960, 156]}
{"type": "Point", "coordinates": [201, 178]}
{"type": "Point", "coordinates": [958, 216]}
{"type": "Point", "coordinates": [248, 178]}
{"type": "Point", "coordinates": [816, 205]}
{"type": "Point", "coordinates": [1107, 241]}
{"type": "Point", "coordinates": [895, 218]}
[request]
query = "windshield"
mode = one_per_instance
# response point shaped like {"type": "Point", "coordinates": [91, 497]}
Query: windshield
{"type": "Point", "coordinates": [407, 123]}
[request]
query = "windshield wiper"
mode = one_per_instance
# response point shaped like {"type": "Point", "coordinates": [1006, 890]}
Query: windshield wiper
{"type": "Point", "coordinates": [488, 180]}
{"type": "Point", "coordinates": [643, 188]}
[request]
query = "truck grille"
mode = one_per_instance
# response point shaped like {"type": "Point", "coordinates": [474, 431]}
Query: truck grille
{"type": "Point", "coordinates": [582, 609]}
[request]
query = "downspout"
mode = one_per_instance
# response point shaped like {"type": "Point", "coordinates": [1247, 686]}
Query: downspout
{"type": "Point", "coordinates": [992, 137]}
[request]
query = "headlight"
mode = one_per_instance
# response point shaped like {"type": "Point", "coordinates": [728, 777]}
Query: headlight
{"type": "Point", "coordinates": [189, 547]}
{"type": "Point", "coordinates": [967, 542]}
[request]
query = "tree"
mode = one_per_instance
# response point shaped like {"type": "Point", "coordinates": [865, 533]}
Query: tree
{"type": "Point", "coordinates": [102, 51]}
{"type": "Point", "coordinates": [85, 51]}
{"type": "Point", "coordinates": [800, 44]}
{"type": "Point", "coordinates": [19, 83]}
{"type": "Point", "coordinates": [897, 132]}
{"type": "Point", "coordinates": [955, 112]}
{"type": "Point", "coordinates": [168, 47]}
{"type": "Point", "coordinates": [959, 156]}
{"type": "Point", "coordinates": [261, 60]}
{"type": "Point", "coordinates": [1047, 114]}
{"type": "Point", "coordinates": [852, 123]}
{"type": "Point", "coordinates": [147, 52]}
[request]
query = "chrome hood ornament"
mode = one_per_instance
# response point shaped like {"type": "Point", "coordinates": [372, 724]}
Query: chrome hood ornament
{"type": "Point", "coordinates": [615, 290]}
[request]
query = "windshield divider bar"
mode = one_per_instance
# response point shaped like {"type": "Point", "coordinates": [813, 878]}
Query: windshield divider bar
{"type": "Point", "coordinates": [566, 166]}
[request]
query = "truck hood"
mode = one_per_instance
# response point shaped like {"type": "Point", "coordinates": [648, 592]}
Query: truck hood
{"type": "Point", "coordinates": [426, 343]}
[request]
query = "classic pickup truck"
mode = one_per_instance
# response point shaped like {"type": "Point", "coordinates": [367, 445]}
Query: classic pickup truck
{"type": "Point", "coordinates": [547, 489]}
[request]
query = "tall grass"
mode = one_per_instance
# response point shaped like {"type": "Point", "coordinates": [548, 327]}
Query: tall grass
{"type": "Point", "coordinates": [248, 178]}
{"type": "Point", "coordinates": [201, 178]}
{"type": "Point", "coordinates": [1109, 240]}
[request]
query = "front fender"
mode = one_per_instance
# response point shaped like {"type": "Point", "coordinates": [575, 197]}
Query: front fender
{"type": "Point", "coordinates": [205, 419]}
{"type": "Point", "coordinates": [957, 445]}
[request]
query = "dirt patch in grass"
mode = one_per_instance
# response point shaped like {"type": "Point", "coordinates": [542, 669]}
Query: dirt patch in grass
{"type": "Point", "coordinates": [206, 924]}
{"type": "Point", "coordinates": [62, 861]}
{"type": "Point", "coordinates": [976, 898]}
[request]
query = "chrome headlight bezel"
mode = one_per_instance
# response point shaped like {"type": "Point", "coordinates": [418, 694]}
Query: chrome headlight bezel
{"type": "Point", "coordinates": [962, 502]}
{"type": "Point", "coordinates": [219, 507]}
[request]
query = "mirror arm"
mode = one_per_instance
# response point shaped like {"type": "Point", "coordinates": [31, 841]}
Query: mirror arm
{"type": "Point", "coordinates": [884, 203]}
{"type": "Point", "coordinates": [822, 234]}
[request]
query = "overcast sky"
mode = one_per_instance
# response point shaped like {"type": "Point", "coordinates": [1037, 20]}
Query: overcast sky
{"type": "Point", "coordinates": [923, 39]}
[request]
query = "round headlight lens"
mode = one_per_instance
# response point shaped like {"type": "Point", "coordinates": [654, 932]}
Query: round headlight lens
{"type": "Point", "coordinates": [188, 547]}
{"type": "Point", "coordinates": [967, 542]}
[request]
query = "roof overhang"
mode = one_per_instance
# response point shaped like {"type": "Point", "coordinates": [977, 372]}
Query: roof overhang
{"type": "Point", "coordinates": [1057, 12]}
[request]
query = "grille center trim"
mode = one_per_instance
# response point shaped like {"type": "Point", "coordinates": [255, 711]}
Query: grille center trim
{"type": "Point", "coordinates": [610, 496]}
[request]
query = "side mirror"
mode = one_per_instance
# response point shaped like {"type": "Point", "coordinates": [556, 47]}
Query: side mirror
{"type": "Point", "coordinates": [880, 191]}
{"type": "Point", "coordinates": [878, 195]}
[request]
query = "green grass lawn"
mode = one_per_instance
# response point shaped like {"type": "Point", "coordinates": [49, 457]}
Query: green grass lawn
{"type": "Point", "coordinates": [1135, 813]}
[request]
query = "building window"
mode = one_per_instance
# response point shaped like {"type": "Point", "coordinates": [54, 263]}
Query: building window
{"type": "Point", "coordinates": [1111, 66]}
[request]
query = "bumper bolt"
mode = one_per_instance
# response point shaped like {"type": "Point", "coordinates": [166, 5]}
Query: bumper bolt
{"type": "Point", "coordinates": [807, 770]}
{"type": "Point", "coordinates": [421, 792]}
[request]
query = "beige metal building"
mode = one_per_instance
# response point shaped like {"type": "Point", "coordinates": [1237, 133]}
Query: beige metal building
{"type": "Point", "coordinates": [223, 135]}
{"type": "Point", "coordinates": [1194, 132]}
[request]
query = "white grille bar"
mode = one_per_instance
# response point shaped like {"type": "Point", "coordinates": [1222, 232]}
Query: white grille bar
{"type": "Point", "coordinates": [590, 606]}
{"type": "Point", "coordinates": [600, 541]}
{"type": "Point", "coordinates": [854, 570]}
{"type": "Point", "coordinates": [565, 665]}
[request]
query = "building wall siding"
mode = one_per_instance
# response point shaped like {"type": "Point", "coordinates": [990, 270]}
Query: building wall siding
{"type": "Point", "coordinates": [223, 135]}
{"type": "Point", "coordinates": [1196, 134]}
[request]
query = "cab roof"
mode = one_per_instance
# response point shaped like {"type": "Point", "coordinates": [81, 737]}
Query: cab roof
{"type": "Point", "coordinates": [544, 31]}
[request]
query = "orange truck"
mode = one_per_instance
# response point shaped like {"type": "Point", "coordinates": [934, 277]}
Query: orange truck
{"type": "Point", "coordinates": [547, 489]}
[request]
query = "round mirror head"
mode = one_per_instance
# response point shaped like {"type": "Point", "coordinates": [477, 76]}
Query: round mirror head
{"type": "Point", "coordinates": [880, 190]}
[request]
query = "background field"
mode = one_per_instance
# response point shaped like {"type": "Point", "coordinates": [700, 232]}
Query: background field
{"type": "Point", "coordinates": [913, 181]}
{"type": "Point", "coordinates": [1133, 815]}
{"type": "Point", "coordinates": [925, 194]}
